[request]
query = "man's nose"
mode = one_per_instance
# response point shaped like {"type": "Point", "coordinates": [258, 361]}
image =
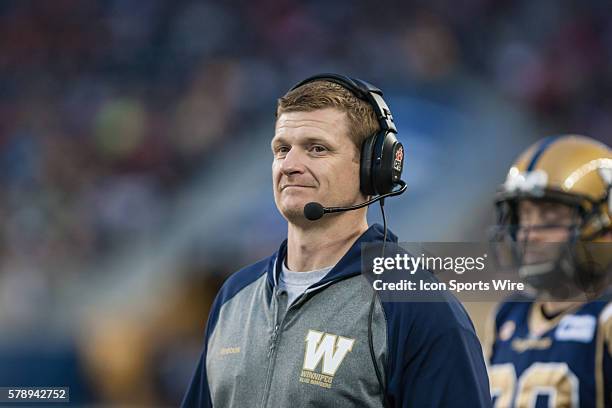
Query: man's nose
{"type": "Point", "coordinates": [532, 232]}
{"type": "Point", "coordinates": [293, 163]}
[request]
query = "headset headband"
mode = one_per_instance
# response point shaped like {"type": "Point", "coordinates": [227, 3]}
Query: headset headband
{"type": "Point", "coordinates": [362, 90]}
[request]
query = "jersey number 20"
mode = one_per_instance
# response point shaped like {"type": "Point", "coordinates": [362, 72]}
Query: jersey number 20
{"type": "Point", "coordinates": [554, 380]}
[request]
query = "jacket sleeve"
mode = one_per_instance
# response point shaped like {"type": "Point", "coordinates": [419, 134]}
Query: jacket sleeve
{"type": "Point", "coordinates": [435, 358]}
{"type": "Point", "coordinates": [198, 393]}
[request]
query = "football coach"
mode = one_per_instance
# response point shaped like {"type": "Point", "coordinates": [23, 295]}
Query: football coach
{"type": "Point", "coordinates": [303, 327]}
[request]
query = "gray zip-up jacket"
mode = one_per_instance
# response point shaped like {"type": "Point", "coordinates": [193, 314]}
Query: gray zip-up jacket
{"type": "Point", "coordinates": [325, 350]}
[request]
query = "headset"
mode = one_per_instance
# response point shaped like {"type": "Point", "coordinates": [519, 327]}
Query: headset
{"type": "Point", "coordinates": [381, 165]}
{"type": "Point", "coordinates": [382, 155]}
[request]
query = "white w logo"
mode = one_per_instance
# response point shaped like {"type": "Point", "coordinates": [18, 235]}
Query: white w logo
{"type": "Point", "coordinates": [329, 347]}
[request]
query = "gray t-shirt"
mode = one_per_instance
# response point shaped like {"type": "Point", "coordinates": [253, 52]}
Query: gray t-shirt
{"type": "Point", "coordinates": [295, 283]}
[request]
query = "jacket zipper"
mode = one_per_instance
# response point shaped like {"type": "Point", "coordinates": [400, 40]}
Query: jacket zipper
{"type": "Point", "coordinates": [272, 349]}
{"type": "Point", "coordinates": [271, 353]}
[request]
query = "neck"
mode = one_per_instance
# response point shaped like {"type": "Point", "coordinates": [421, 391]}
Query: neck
{"type": "Point", "coordinates": [555, 308]}
{"type": "Point", "coordinates": [323, 243]}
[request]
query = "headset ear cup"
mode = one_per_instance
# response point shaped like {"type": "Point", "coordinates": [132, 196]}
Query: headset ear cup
{"type": "Point", "coordinates": [381, 165]}
{"type": "Point", "coordinates": [365, 166]}
{"type": "Point", "coordinates": [388, 162]}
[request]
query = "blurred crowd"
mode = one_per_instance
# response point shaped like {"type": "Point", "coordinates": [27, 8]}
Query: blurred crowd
{"type": "Point", "coordinates": [110, 111]}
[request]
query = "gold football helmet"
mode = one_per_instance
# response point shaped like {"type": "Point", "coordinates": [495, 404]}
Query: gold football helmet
{"type": "Point", "coordinates": [575, 171]}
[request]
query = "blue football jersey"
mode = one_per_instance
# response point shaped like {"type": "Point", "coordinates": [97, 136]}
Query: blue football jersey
{"type": "Point", "coordinates": [559, 362]}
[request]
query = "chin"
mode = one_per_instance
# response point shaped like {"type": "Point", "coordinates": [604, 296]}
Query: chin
{"type": "Point", "coordinates": [292, 209]}
{"type": "Point", "coordinates": [294, 203]}
{"type": "Point", "coordinates": [293, 215]}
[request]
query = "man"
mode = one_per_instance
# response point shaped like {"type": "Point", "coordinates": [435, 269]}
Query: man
{"type": "Point", "coordinates": [304, 327]}
{"type": "Point", "coordinates": [555, 349]}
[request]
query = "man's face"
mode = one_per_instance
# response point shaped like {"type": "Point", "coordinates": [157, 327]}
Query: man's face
{"type": "Point", "coordinates": [544, 225]}
{"type": "Point", "coordinates": [314, 160]}
{"type": "Point", "coordinates": [545, 221]}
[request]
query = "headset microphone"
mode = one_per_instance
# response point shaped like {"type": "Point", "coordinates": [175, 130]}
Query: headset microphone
{"type": "Point", "coordinates": [314, 211]}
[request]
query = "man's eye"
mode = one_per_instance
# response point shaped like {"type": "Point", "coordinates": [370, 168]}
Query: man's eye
{"type": "Point", "coordinates": [318, 149]}
{"type": "Point", "coordinates": [282, 150]}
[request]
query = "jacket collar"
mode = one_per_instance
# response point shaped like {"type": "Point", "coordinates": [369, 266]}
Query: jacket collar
{"type": "Point", "coordinates": [349, 265]}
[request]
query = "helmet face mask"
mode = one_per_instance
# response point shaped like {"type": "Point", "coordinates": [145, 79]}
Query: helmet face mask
{"type": "Point", "coordinates": [553, 258]}
{"type": "Point", "coordinates": [550, 233]}
{"type": "Point", "coordinates": [539, 236]}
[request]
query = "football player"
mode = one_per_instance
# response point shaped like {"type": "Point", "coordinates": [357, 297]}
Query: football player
{"type": "Point", "coordinates": [553, 348]}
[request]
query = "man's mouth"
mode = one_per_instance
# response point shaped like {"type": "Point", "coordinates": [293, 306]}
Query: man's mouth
{"type": "Point", "coordinates": [294, 186]}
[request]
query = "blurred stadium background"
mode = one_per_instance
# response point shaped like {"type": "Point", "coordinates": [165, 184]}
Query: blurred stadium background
{"type": "Point", "coordinates": [135, 162]}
